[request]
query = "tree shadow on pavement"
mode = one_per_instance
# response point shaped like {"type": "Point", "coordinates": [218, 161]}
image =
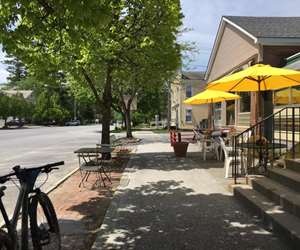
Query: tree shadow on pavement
{"type": "Point", "coordinates": [167, 161]}
{"type": "Point", "coordinates": [167, 215]}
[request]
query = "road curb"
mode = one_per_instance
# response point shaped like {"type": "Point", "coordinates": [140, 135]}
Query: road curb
{"type": "Point", "coordinates": [61, 180]}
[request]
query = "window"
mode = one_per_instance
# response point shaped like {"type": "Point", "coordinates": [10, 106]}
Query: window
{"type": "Point", "coordinates": [295, 95]}
{"type": "Point", "coordinates": [282, 96]}
{"type": "Point", "coordinates": [188, 115]}
{"type": "Point", "coordinates": [287, 96]}
{"type": "Point", "coordinates": [188, 91]}
{"type": "Point", "coordinates": [217, 111]}
{"type": "Point", "coordinates": [230, 114]}
{"type": "Point", "coordinates": [245, 102]}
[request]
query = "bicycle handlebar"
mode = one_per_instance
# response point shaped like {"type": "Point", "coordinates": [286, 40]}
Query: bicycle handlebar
{"type": "Point", "coordinates": [47, 168]}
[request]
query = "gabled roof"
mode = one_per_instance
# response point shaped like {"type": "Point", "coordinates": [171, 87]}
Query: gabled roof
{"type": "Point", "coordinates": [193, 75]}
{"type": "Point", "coordinates": [270, 27]}
{"type": "Point", "coordinates": [282, 31]}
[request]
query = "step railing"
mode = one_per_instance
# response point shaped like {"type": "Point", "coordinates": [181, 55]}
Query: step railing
{"type": "Point", "coordinates": [259, 146]}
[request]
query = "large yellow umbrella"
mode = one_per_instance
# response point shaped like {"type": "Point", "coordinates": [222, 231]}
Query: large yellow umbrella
{"type": "Point", "coordinates": [259, 77]}
{"type": "Point", "coordinates": [210, 96]}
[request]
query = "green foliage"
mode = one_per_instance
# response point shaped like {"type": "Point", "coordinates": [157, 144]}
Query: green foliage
{"type": "Point", "coordinates": [16, 69]}
{"type": "Point", "coordinates": [48, 109]}
{"type": "Point", "coordinates": [15, 106]}
{"type": "Point", "coordinates": [129, 45]}
{"type": "Point", "coordinates": [4, 106]}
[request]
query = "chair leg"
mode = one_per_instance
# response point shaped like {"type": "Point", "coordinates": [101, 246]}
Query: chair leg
{"type": "Point", "coordinates": [105, 174]}
{"type": "Point", "coordinates": [82, 178]}
{"type": "Point", "coordinates": [103, 180]}
{"type": "Point", "coordinates": [227, 167]}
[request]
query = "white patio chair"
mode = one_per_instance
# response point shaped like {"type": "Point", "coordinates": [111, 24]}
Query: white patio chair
{"type": "Point", "coordinates": [229, 157]}
{"type": "Point", "coordinates": [210, 145]}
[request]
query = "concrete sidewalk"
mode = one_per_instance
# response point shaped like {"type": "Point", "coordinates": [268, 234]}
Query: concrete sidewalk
{"type": "Point", "coordinates": [169, 203]}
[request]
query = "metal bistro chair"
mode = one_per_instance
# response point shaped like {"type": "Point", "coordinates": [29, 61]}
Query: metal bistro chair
{"type": "Point", "coordinates": [92, 163]}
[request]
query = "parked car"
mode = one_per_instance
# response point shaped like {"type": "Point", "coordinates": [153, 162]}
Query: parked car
{"type": "Point", "coordinates": [15, 123]}
{"type": "Point", "coordinates": [73, 123]}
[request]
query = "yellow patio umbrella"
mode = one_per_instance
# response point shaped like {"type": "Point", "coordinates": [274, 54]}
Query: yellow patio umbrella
{"type": "Point", "coordinates": [259, 77]}
{"type": "Point", "coordinates": [210, 96]}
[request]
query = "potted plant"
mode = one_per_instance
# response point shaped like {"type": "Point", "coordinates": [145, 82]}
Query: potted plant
{"type": "Point", "coordinates": [180, 147]}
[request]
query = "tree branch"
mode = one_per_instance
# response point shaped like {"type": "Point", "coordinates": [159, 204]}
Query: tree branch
{"type": "Point", "coordinates": [92, 86]}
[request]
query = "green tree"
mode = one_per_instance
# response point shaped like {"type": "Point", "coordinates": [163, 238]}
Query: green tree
{"type": "Point", "coordinates": [4, 107]}
{"type": "Point", "coordinates": [16, 69]}
{"type": "Point", "coordinates": [92, 44]}
{"type": "Point", "coordinates": [48, 109]}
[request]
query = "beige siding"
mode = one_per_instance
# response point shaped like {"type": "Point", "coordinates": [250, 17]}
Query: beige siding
{"type": "Point", "coordinates": [199, 112]}
{"type": "Point", "coordinates": [234, 49]}
{"type": "Point", "coordinates": [244, 120]}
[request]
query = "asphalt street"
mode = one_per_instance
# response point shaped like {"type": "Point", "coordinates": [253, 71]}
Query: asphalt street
{"type": "Point", "coordinates": [35, 146]}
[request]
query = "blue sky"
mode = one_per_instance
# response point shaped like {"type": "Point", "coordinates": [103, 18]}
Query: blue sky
{"type": "Point", "coordinates": [203, 17]}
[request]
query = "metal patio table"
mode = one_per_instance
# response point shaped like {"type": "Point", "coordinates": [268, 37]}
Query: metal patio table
{"type": "Point", "coordinates": [91, 162]}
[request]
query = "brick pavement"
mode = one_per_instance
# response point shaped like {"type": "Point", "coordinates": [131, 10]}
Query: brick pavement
{"type": "Point", "coordinates": [80, 211]}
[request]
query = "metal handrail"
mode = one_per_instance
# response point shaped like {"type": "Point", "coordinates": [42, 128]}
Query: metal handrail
{"type": "Point", "coordinates": [277, 124]}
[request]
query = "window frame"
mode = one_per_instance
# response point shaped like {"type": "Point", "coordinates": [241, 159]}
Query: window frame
{"type": "Point", "coordinates": [187, 110]}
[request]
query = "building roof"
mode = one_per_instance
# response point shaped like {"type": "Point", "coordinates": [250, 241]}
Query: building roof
{"type": "Point", "coordinates": [193, 75]}
{"type": "Point", "coordinates": [271, 27]}
{"type": "Point", "coordinates": [281, 31]}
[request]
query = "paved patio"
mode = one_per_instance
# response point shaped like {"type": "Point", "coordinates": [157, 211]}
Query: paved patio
{"type": "Point", "coordinates": [169, 203]}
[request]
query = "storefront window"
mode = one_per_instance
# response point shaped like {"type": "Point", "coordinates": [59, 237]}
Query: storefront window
{"type": "Point", "coordinates": [282, 96]}
{"type": "Point", "coordinates": [245, 102]}
{"type": "Point", "coordinates": [295, 95]}
{"type": "Point", "coordinates": [230, 112]}
{"type": "Point", "coordinates": [217, 111]}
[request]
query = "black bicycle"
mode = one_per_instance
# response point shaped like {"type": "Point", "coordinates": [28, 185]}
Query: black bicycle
{"type": "Point", "coordinates": [36, 207]}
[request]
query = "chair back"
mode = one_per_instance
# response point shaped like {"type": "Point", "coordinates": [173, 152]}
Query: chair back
{"type": "Point", "coordinates": [198, 135]}
{"type": "Point", "coordinates": [223, 146]}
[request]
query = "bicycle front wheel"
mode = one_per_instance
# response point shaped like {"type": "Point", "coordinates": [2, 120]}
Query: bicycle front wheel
{"type": "Point", "coordinates": [43, 223]}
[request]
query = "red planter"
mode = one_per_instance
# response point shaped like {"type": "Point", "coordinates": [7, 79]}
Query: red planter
{"type": "Point", "coordinates": [180, 148]}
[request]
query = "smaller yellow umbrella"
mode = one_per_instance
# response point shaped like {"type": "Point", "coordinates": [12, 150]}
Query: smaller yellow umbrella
{"type": "Point", "coordinates": [210, 96]}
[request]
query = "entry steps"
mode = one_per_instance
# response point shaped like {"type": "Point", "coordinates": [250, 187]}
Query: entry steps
{"type": "Point", "coordinates": [276, 199]}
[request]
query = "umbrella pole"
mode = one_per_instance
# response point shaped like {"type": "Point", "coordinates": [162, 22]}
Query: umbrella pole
{"type": "Point", "coordinates": [258, 103]}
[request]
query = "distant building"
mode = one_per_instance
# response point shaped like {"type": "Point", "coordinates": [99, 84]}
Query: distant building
{"type": "Point", "coordinates": [27, 94]}
{"type": "Point", "coordinates": [187, 84]}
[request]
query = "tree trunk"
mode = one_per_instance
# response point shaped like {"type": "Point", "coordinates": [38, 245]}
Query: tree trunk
{"type": "Point", "coordinates": [169, 105]}
{"type": "Point", "coordinates": [5, 122]}
{"type": "Point", "coordinates": [128, 123]}
{"type": "Point", "coordinates": [106, 107]}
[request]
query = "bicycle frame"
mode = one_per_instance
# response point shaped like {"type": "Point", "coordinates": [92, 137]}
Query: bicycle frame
{"type": "Point", "coordinates": [27, 181]}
